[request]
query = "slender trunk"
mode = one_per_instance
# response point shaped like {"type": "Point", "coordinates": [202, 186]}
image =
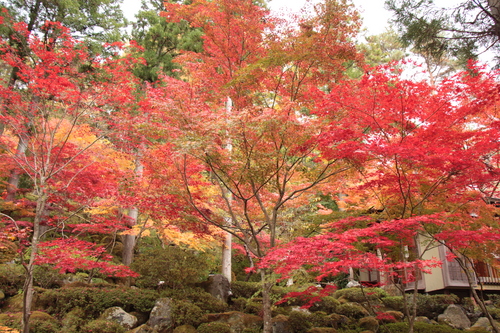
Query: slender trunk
{"type": "Point", "coordinates": [228, 238]}
{"type": "Point", "coordinates": [28, 284]}
{"type": "Point", "coordinates": [266, 301]}
{"type": "Point", "coordinates": [226, 256]}
{"type": "Point", "coordinates": [479, 300]}
{"type": "Point", "coordinates": [133, 214]}
{"type": "Point", "coordinates": [15, 174]}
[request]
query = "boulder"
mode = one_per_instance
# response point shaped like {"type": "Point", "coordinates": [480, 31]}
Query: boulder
{"type": "Point", "coordinates": [483, 323]}
{"type": "Point", "coordinates": [160, 318]}
{"type": "Point", "coordinates": [238, 321]}
{"type": "Point", "coordinates": [219, 287]}
{"type": "Point", "coordinates": [119, 315]}
{"type": "Point", "coordinates": [455, 317]}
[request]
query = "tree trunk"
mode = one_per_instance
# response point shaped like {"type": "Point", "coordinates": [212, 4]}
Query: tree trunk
{"type": "Point", "coordinates": [28, 283]}
{"type": "Point", "coordinates": [266, 301]}
{"type": "Point", "coordinates": [227, 256]}
{"type": "Point", "coordinates": [133, 214]}
{"type": "Point", "coordinates": [471, 281]}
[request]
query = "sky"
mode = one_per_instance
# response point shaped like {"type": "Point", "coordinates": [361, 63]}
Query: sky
{"type": "Point", "coordinates": [374, 15]}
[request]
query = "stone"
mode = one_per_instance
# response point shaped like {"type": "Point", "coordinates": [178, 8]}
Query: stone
{"type": "Point", "coordinates": [484, 323]}
{"type": "Point", "coordinates": [120, 316]}
{"type": "Point", "coordinates": [219, 287]}
{"type": "Point", "coordinates": [455, 317]}
{"type": "Point", "coordinates": [160, 319]}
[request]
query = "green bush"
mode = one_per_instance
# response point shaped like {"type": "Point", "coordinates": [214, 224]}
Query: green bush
{"type": "Point", "coordinates": [245, 289]}
{"type": "Point", "coordinates": [73, 321]}
{"type": "Point", "coordinates": [93, 301]}
{"type": "Point", "coordinates": [46, 277]}
{"type": "Point", "coordinates": [102, 326]}
{"type": "Point", "coordinates": [198, 297]}
{"type": "Point", "coordinates": [300, 321]}
{"type": "Point", "coordinates": [320, 319]}
{"type": "Point", "coordinates": [327, 304]}
{"type": "Point", "coordinates": [253, 307]}
{"type": "Point", "coordinates": [369, 323]}
{"type": "Point", "coordinates": [429, 306]}
{"type": "Point", "coordinates": [214, 327]}
{"type": "Point", "coordinates": [186, 313]}
{"type": "Point", "coordinates": [352, 310]}
{"type": "Point", "coordinates": [360, 295]}
{"type": "Point", "coordinates": [322, 330]}
{"type": "Point", "coordinates": [419, 327]}
{"type": "Point", "coordinates": [175, 266]}
{"type": "Point", "coordinates": [40, 322]}
{"type": "Point", "coordinates": [11, 278]}
{"type": "Point", "coordinates": [494, 312]}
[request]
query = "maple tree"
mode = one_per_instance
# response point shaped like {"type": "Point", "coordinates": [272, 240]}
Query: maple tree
{"type": "Point", "coordinates": [239, 123]}
{"type": "Point", "coordinates": [58, 113]}
{"type": "Point", "coordinates": [419, 150]}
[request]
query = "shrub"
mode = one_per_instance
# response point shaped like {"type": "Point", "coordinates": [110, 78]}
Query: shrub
{"type": "Point", "coordinates": [369, 323]}
{"type": "Point", "coordinates": [198, 297]}
{"type": "Point", "coordinates": [93, 301]}
{"type": "Point", "coordinates": [214, 327]}
{"type": "Point", "coordinates": [40, 322]}
{"type": "Point", "coordinates": [73, 321]}
{"type": "Point", "coordinates": [427, 305]}
{"type": "Point", "coordinates": [327, 304]}
{"type": "Point", "coordinates": [253, 307]}
{"type": "Point", "coordinates": [419, 327]}
{"type": "Point", "coordinates": [186, 313]}
{"type": "Point", "coordinates": [245, 289]}
{"type": "Point", "coordinates": [394, 302]}
{"type": "Point", "coordinates": [352, 310]}
{"type": "Point", "coordinates": [175, 266]}
{"type": "Point", "coordinates": [300, 321]}
{"type": "Point", "coordinates": [46, 277]}
{"type": "Point", "coordinates": [102, 326]}
{"type": "Point", "coordinates": [494, 312]}
{"type": "Point", "coordinates": [11, 278]}
{"type": "Point", "coordinates": [322, 330]}
{"type": "Point", "coordinates": [320, 319]}
{"type": "Point", "coordinates": [360, 295]}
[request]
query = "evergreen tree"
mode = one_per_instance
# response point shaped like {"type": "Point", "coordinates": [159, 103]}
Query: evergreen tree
{"type": "Point", "coordinates": [162, 40]}
{"type": "Point", "coordinates": [462, 31]}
